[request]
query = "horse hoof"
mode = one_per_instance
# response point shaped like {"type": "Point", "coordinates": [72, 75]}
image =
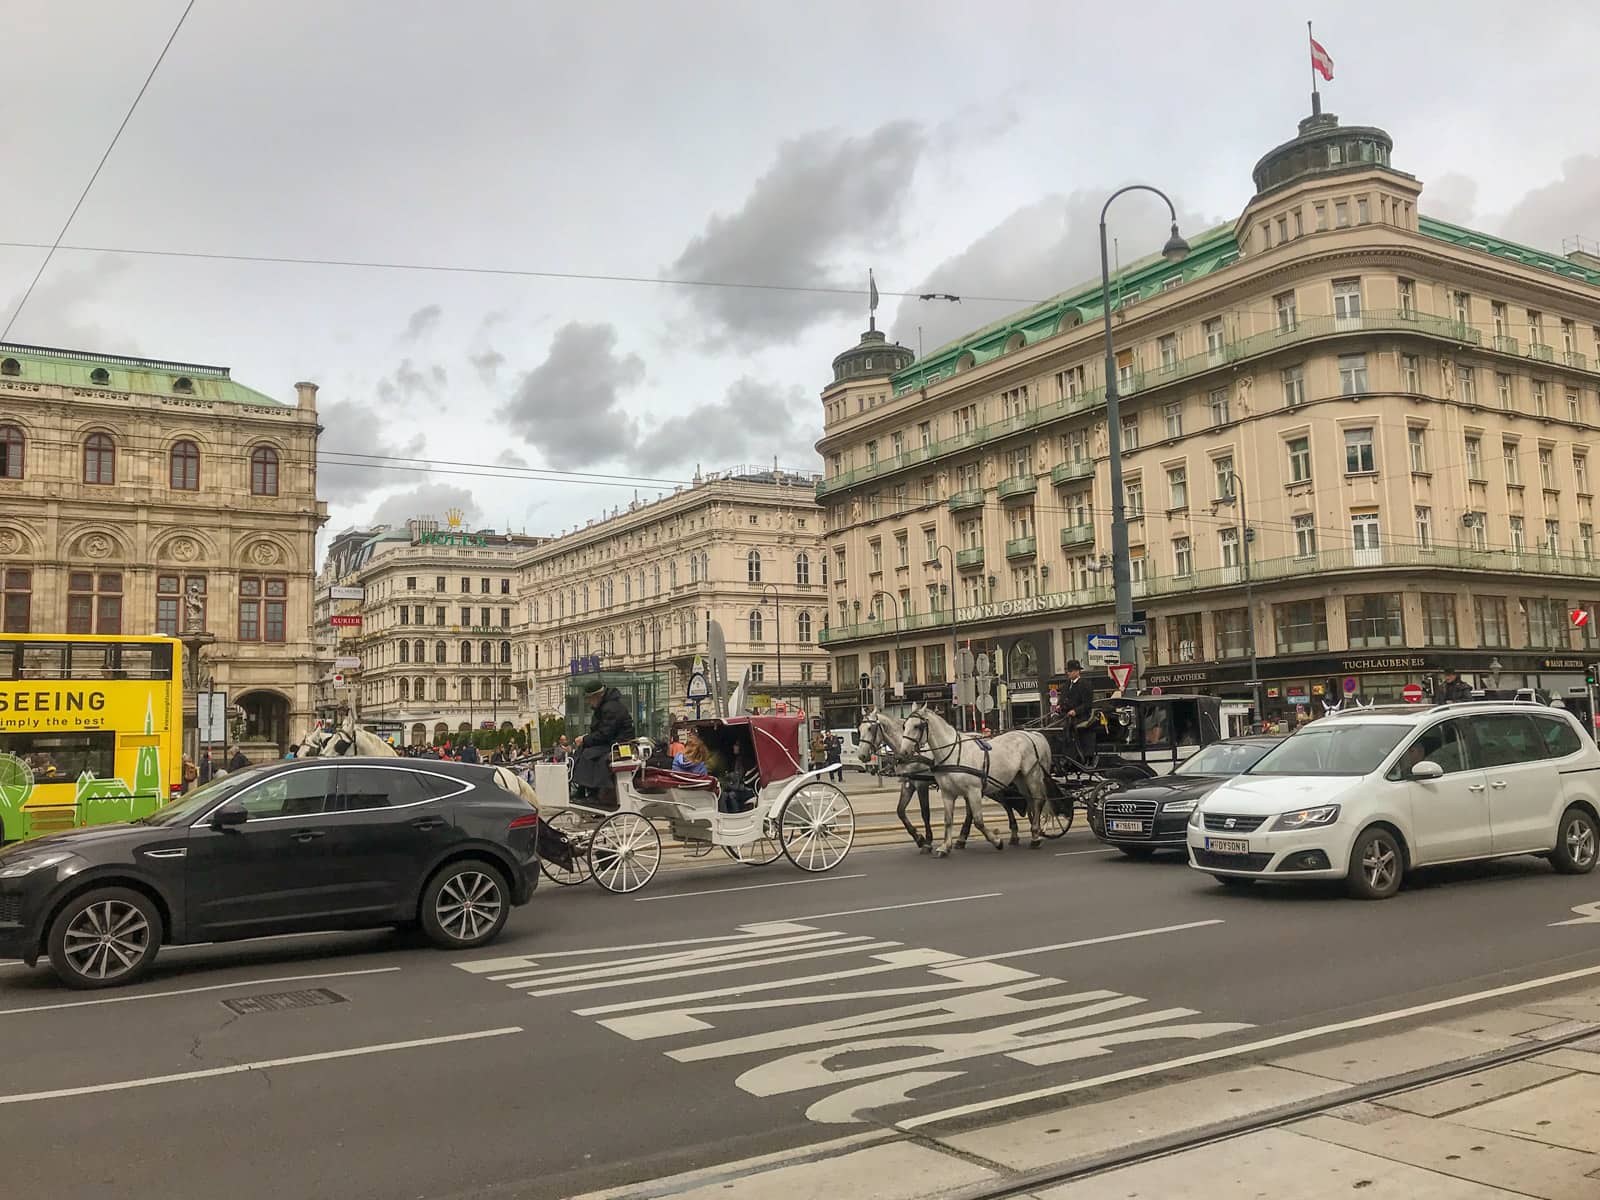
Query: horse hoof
{"type": "Point", "coordinates": [999, 845]}
{"type": "Point", "coordinates": [941, 852]}
{"type": "Point", "coordinates": [1015, 840]}
{"type": "Point", "coordinates": [961, 845]}
{"type": "Point", "coordinates": [928, 848]}
{"type": "Point", "coordinates": [1035, 844]}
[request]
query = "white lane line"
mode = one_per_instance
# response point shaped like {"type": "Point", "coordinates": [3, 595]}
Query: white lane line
{"type": "Point", "coordinates": [852, 912]}
{"type": "Point", "coordinates": [1094, 941]}
{"type": "Point", "coordinates": [1285, 1039]}
{"type": "Point", "coordinates": [123, 1085]}
{"type": "Point", "coordinates": [749, 887]}
{"type": "Point", "coordinates": [1098, 850]}
{"type": "Point", "coordinates": [214, 987]}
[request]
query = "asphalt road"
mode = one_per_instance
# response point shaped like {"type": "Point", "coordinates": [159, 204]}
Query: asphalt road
{"type": "Point", "coordinates": [807, 1008]}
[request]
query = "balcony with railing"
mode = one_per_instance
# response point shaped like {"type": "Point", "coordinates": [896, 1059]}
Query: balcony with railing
{"type": "Point", "coordinates": [1022, 547]}
{"type": "Point", "coordinates": [1076, 535]}
{"type": "Point", "coordinates": [1018, 487]}
{"type": "Point", "coordinates": [1071, 472]}
{"type": "Point", "coordinates": [967, 499]}
{"type": "Point", "coordinates": [1542, 353]}
{"type": "Point", "coordinates": [1576, 359]}
{"type": "Point", "coordinates": [970, 559]}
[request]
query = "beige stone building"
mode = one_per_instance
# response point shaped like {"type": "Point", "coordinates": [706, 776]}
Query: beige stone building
{"type": "Point", "coordinates": [638, 588]}
{"type": "Point", "coordinates": [128, 485]}
{"type": "Point", "coordinates": [1405, 410]}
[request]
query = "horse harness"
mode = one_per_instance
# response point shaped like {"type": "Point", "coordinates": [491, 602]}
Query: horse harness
{"type": "Point", "coordinates": [945, 765]}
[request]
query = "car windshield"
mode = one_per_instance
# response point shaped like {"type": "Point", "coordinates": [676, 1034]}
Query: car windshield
{"type": "Point", "coordinates": [1224, 758]}
{"type": "Point", "coordinates": [1332, 749]}
{"type": "Point", "coordinates": [187, 808]}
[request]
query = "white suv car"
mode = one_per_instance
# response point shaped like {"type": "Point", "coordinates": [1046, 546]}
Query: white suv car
{"type": "Point", "coordinates": [1366, 796]}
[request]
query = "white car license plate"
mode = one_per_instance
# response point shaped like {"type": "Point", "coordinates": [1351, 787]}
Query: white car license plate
{"type": "Point", "coordinates": [1227, 846]}
{"type": "Point", "coordinates": [1125, 826]}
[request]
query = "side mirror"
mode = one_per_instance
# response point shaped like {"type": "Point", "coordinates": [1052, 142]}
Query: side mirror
{"type": "Point", "coordinates": [229, 816]}
{"type": "Point", "coordinates": [1426, 770]}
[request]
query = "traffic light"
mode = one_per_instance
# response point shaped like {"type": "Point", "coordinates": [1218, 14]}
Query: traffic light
{"type": "Point", "coordinates": [1591, 675]}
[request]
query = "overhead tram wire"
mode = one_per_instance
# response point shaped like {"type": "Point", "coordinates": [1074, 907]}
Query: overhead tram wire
{"type": "Point", "coordinates": [84, 195]}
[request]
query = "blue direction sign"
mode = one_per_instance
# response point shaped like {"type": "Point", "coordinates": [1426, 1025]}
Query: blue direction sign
{"type": "Point", "coordinates": [1104, 642]}
{"type": "Point", "coordinates": [1132, 629]}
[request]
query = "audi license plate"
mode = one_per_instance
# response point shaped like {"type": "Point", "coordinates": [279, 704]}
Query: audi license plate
{"type": "Point", "coordinates": [1227, 846]}
{"type": "Point", "coordinates": [1125, 826]}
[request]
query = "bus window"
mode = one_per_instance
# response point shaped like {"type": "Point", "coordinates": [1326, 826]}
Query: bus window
{"type": "Point", "coordinates": [43, 660]}
{"type": "Point", "coordinates": [62, 757]}
{"type": "Point", "coordinates": [121, 660]}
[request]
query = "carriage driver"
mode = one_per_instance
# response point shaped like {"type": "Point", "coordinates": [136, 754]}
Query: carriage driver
{"type": "Point", "coordinates": [591, 760]}
{"type": "Point", "coordinates": [1078, 705]}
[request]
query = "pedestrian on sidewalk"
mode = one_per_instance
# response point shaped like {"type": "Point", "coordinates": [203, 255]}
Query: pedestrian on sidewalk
{"type": "Point", "coordinates": [835, 751]}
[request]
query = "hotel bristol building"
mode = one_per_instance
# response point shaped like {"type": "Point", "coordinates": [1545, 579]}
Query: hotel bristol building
{"type": "Point", "coordinates": [1404, 410]}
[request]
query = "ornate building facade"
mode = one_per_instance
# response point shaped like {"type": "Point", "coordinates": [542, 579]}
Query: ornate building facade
{"type": "Point", "coordinates": [1398, 413]}
{"type": "Point", "coordinates": [132, 490]}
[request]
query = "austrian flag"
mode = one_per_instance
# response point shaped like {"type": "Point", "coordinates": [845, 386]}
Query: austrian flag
{"type": "Point", "coordinates": [1321, 60]}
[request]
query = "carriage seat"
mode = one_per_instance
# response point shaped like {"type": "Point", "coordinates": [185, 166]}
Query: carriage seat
{"type": "Point", "coordinates": [661, 779]}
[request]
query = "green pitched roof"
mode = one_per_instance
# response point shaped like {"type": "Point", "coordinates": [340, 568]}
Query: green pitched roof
{"type": "Point", "coordinates": [1458, 235]}
{"type": "Point", "coordinates": [1150, 276]}
{"type": "Point", "coordinates": [77, 368]}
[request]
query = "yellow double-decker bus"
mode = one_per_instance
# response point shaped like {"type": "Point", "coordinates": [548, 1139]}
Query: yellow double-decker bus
{"type": "Point", "coordinates": [91, 729]}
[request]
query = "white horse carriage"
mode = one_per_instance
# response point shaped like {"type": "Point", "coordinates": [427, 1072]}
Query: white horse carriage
{"type": "Point", "coordinates": [767, 803]}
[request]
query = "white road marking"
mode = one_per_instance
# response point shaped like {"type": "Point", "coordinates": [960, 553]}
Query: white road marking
{"type": "Point", "coordinates": [854, 912]}
{"type": "Point", "coordinates": [639, 964]}
{"type": "Point", "coordinates": [1588, 914]}
{"type": "Point", "coordinates": [712, 969]}
{"type": "Point", "coordinates": [1285, 1039]}
{"type": "Point", "coordinates": [749, 887]}
{"type": "Point", "coordinates": [1094, 941]}
{"type": "Point", "coordinates": [123, 1085]}
{"type": "Point", "coordinates": [214, 987]}
{"type": "Point", "coordinates": [483, 966]}
{"type": "Point", "coordinates": [1100, 850]}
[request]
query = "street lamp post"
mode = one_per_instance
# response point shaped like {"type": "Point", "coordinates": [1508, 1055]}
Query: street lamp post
{"type": "Point", "coordinates": [1174, 251]}
{"type": "Point", "coordinates": [1236, 495]}
{"type": "Point", "coordinates": [777, 630]}
{"type": "Point", "coordinates": [896, 599]}
{"type": "Point", "coordinates": [658, 703]}
{"type": "Point", "coordinates": [955, 645]}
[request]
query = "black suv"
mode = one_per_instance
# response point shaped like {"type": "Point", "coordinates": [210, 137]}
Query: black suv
{"type": "Point", "coordinates": [349, 843]}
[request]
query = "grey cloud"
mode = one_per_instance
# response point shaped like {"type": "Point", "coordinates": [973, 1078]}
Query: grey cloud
{"type": "Point", "coordinates": [59, 312]}
{"type": "Point", "coordinates": [429, 501]}
{"type": "Point", "coordinates": [410, 382]}
{"type": "Point", "coordinates": [423, 322]}
{"type": "Point", "coordinates": [1040, 250]}
{"type": "Point", "coordinates": [827, 196]}
{"type": "Point", "coordinates": [569, 406]}
{"type": "Point", "coordinates": [752, 422]}
{"type": "Point", "coordinates": [1558, 210]}
{"type": "Point", "coordinates": [358, 427]}
{"type": "Point", "coordinates": [488, 364]}
{"type": "Point", "coordinates": [510, 458]}
{"type": "Point", "coordinates": [1451, 198]}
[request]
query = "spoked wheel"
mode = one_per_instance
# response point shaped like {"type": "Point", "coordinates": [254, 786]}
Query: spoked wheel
{"type": "Point", "coordinates": [1054, 821]}
{"type": "Point", "coordinates": [817, 827]}
{"type": "Point", "coordinates": [624, 853]}
{"type": "Point", "coordinates": [569, 824]}
{"type": "Point", "coordinates": [759, 853]}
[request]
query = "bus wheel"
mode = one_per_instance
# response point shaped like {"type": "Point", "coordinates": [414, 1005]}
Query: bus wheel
{"type": "Point", "coordinates": [104, 937]}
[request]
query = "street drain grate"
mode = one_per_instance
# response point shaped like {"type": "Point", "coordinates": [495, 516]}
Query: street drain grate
{"type": "Point", "coordinates": [280, 1001]}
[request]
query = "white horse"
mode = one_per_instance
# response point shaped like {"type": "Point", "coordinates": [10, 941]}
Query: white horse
{"type": "Point", "coordinates": [347, 741]}
{"type": "Point", "coordinates": [881, 731]}
{"type": "Point", "coordinates": [967, 766]}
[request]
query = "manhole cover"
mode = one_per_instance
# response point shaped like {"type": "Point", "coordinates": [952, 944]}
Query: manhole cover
{"type": "Point", "coordinates": [279, 1001]}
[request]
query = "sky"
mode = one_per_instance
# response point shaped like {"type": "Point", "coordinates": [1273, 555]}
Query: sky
{"type": "Point", "coordinates": [944, 145]}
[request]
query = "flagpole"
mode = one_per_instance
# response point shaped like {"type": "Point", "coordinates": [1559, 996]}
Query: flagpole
{"type": "Point", "coordinates": [1316, 96]}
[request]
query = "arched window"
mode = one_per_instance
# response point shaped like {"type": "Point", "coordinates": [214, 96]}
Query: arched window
{"type": "Point", "coordinates": [672, 573]}
{"type": "Point", "coordinates": [12, 445]}
{"type": "Point", "coordinates": [485, 689]}
{"type": "Point", "coordinates": [802, 568]}
{"type": "Point", "coordinates": [505, 689]}
{"type": "Point", "coordinates": [184, 467]}
{"type": "Point", "coordinates": [803, 626]}
{"type": "Point", "coordinates": [10, 366]}
{"type": "Point", "coordinates": [405, 688]}
{"type": "Point", "coordinates": [405, 651]}
{"type": "Point", "coordinates": [420, 688]}
{"type": "Point", "coordinates": [183, 385]}
{"type": "Point", "coordinates": [263, 471]}
{"type": "Point", "coordinates": [627, 587]}
{"type": "Point", "coordinates": [655, 580]}
{"type": "Point", "coordinates": [755, 625]}
{"type": "Point", "coordinates": [100, 376]}
{"type": "Point", "coordinates": [466, 652]}
{"type": "Point", "coordinates": [99, 459]}
{"type": "Point", "coordinates": [694, 568]}
{"type": "Point", "coordinates": [438, 686]}
{"type": "Point", "coordinates": [752, 566]}
{"type": "Point", "coordinates": [486, 652]}
{"type": "Point", "coordinates": [585, 598]}
{"type": "Point", "coordinates": [439, 651]}
{"type": "Point", "coordinates": [419, 651]}
{"type": "Point", "coordinates": [705, 567]}
{"type": "Point", "coordinates": [505, 653]}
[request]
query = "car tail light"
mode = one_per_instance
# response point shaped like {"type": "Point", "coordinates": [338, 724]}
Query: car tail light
{"type": "Point", "coordinates": [525, 822]}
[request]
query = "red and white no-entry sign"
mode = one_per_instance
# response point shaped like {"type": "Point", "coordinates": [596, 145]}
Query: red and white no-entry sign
{"type": "Point", "coordinates": [1412, 693]}
{"type": "Point", "coordinates": [1580, 617]}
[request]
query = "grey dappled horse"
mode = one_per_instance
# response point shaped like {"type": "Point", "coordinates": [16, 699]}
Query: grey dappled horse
{"type": "Point", "coordinates": [964, 769]}
{"type": "Point", "coordinates": [879, 730]}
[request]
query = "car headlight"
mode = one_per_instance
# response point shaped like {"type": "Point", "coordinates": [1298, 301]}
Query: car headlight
{"type": "Point", "coordinates": [1307, 818]}
{"type": "Point", "coordinates": [1194, 816]}
{"type": "Point", "coordinates": [27, 864]}
{"type": "Point", "coordinates": [1177, 806]}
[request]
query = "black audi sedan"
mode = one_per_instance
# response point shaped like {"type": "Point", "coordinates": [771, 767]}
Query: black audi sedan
{"type": "Point", "coordinates": [319, 844]}
{"type": "Point", "coordinates": [1153, 814]}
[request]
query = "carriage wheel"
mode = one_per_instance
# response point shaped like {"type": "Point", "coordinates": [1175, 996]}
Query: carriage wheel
{"type": "Point", "coordinates": [759, 853]}
{"type": "Point", "coordinates": [624, 853]}
{"type": "Point", "coordinates": [571, 826]}
{"type": "Point", "coordinates": [817, 827]}
{"type": "Point", "coordinates": [1053, 821]}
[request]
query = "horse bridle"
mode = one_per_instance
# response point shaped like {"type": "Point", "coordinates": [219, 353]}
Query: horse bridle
{"type": "Point", "coordinates": [927, 759]}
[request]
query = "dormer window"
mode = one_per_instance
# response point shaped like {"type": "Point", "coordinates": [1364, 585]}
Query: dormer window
{"type": "Point", "coordinates": [100, 376]}
{"type": "Point", "coordinates": [183, 386]}
{"type": "Point", "coordinates": [10, 367]}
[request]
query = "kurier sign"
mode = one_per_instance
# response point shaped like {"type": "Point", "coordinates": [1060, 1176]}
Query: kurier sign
{"type": "Point", "coordinates": [345, 620]}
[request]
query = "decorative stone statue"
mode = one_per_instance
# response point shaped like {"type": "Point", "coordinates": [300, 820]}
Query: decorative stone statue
{"type": "Point", "coordinates": [1244, 386]}
{"type": "Point", "coordinates": [1447, 376]}
{"type": "Point", "coordinates": [193, 610]}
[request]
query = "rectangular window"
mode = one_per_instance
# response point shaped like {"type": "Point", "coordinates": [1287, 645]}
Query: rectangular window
{"type": "Point", "coordinates": [924, 434]}
{"type": "Point", "coordinates": [902, 550]}
{"type": "Point", "coordinates": [1212, 331]}
{"type": "Point", "coordinates": [1174, 418]}
{"type": "Point", "coordinates": [1014, 401]}
{"type": "Point", "coordinates": [1167, 351]}
{"type": "Point", "coordinates": [1228, 545]}
{"type": "Point", "coordinates": [1439, 618]}
{"type": "Point", "coordinates": [1411, 373]}
{"type": "Point", "coordinates": [17, 599]}
{"type": "Point", "coordinates": [1300, 627]}
{"type": "Point", "coordinates": [1133, 499]}
{"type": "Point", "coordinates": [1341, 213]}
{"type": "Point", "coordinates": [1294, 386]}
{"type": "Point", "coordinates": [1184, 641]}
{"type": "Point", "coordinates": [1552, 537]}
{"type": "Point", "coordinates": [872, 453]}
{"type": "Point", "coordinates": [94, 602]}
{"type": "Point", "coordinates": [1363, 214]}
{"type": "Point", "coordinates": [1417, 445]}
{"type": "Point", "coordinates": [1364, 537]}
{"type": "Point", "coordinates": [1408, 297]}
{"type": "Point", "coordinates": [1499, 320]}
{"type": "Point", "coordinates": [171, 591]}
{"type": "Point", "coordinates": [1518, 535]}
{"type": "Point", "coordinates": [1220, 414]}
{"type": "Point", "coordinates": [897, 444]}
{"type": "Point", "coordinates": [1346, 301]}
{"type": "Point", "coordinates": [1358, 457]}
{"type": "Point", "coordinates": [1233, 632]}
{"type": "Point", "coordinates": [1070, 383]}
{"type": "Point", "coordinates": [1461, 303]}
{"type": "Point", "coordinates": [1130, 432]}
{"type": "Point", "coordinates": [1467, 384]}
{"type": "Point", "coordinates": [1182, 557]}
{"type": "Point", "coordinates": [263, 602]}
{"type": "Point", "coordinates": [1473, 448]}
{"type": "Point", "coordinates": [1283, 229]}
{"type": "Point", "coordinates": [1322, 216]}
{"type": "Point", "coordinates": [1547, 468]}
{"type": "Point", "coordinates": [1585, 541]}
{"type": "Point", "coordinates": [875, 557]}
{"type": "Point", "coordinates": [1178, 487]}
{"type": "Point", "coordinates": [1424, 527]}
{"type": "Point", "coordinates": [1352, 374]}
{"type": "Point", "coordinates": [1508, 453]}
{"type": "Point", "coordinates": [1477, 529]}
{"type": "Point", "coordinates": [1547, 622]}
{"type": "Point", "coordinates": [1305, 537]}
{"type": "Point", "coordinates": [1374, 621]}
{"type": "Point", "coordinates": [1536, 327]}
{"type": "Point", "coordinates": [1022, 582]}
{"type": "Point", "coordinates": [1580, 472]}
{"type": "Point", "coordinates": [1541, 398]}
{"type": "Point", "coordinates": [1288, 316]}
{"type": "Point", "coordinates": [1299, 460]}
{"type": "Point", "coordinates": [967, 418]}
{"type": "Point", "coordinates": [930, 544]}
{"type": "Point", "coordinates": [1502, 389]}
{"type": "Point", "coordinates": [1223, 469]}
{"type": "Point", "coordinates": [1493, 627]}
{"type": "Point", "coordinates": [933, 663]}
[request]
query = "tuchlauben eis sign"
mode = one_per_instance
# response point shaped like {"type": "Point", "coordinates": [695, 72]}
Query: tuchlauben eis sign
{"type": "Point", "coordinates": [436, 537]}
